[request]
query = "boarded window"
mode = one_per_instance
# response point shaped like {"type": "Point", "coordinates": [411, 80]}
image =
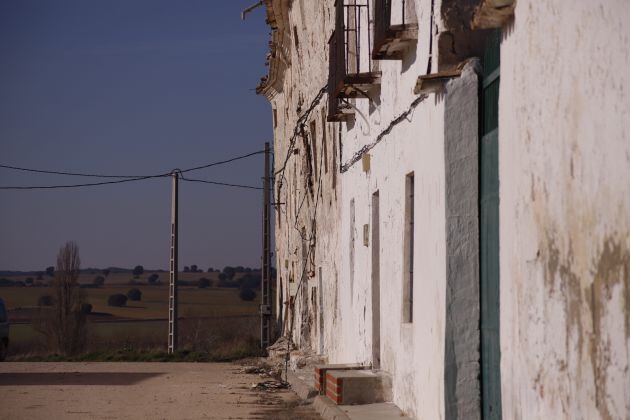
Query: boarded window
{"type": "Point", "coordinates": [408, 250]}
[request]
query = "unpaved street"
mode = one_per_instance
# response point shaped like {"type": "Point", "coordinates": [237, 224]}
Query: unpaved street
{"type": "Point", "coordinates": [139, 391]}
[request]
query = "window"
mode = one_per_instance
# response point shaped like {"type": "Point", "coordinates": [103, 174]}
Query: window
{"type": "Point", "coordinates": [314, 148]}
{"type": "Point", "coordinates": [296, 40]}
{"type": "Point", "coordinates": [395, 28]}
{"type": "Point", "coordinates": [351, 250]}
{"type": "Point", "coordinates": [275, 118]}
{"type": "Point", "coordinates": [324, 145]}
{"type": "Point", "coordinates": [351, 71]}
{"type": "Point", "coordinates": [408, 249]}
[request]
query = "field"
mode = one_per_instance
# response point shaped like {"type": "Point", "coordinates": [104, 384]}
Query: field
{"type": "Point", "coordinates": [203, 312]}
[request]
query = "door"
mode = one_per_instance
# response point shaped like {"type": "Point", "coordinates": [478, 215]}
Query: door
{"type": "Point", "coordinates": [376, 284]}
{"type": "Point", "coordinates": [489, 233]}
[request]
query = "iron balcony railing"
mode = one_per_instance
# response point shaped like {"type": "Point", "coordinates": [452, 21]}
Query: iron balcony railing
{"type": "Point", "coordinates": [350, 62]}
{"type": "Point", "coordinates": [392, 29]}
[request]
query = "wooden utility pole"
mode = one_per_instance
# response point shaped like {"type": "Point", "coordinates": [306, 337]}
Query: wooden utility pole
{"type": "Point", "coordinates": [172, 285]}
{"type": "Point", "coordinates": [265, 293]}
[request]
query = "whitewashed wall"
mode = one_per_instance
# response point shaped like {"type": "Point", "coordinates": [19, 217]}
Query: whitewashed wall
{"type": "Point", "coordinates": [564, 157]}
{"type": "Point", "coordinates": [564, 122]}
{"type": "Point", "coordinates": [412, 353]}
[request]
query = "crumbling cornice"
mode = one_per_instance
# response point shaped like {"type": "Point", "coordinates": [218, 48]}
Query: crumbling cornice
{"type": "Point", "coordinates": [278, 58]}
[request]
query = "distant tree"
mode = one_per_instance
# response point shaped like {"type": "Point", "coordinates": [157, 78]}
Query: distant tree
{"type": "Point", "coordinates": [5, 282]}
{"type": "Point", "coordinates": [250, 281]}
{"type": "Point", "coordinates": [98, 281]}
{"type": "Point", "coordinates": [248, 270]}
{"type": "Point", "coordinates": [222, 277]}
{"type": "Point", "coordinates": [105, 272]}
{"type": "Point", "coordinates": [138, 270]}
{"type": "Point", "coordinates": [229, 272]}
{"type": "Point", "coordinates": [40, 275]}
{"type": "Point", "coordinates": [186, 269]}
{"type": "Point", "coordinates": [134, 294]}
{"type": "Point", "coordinates": [193, 268]}
{"type": "Point", "coordinates": [117, 300]}
{"type": "Point", "coordinates": [64, 325]}
{"type": "Point", "coordinates": [45, 300]}
{"type": "Point", "coordinates": [50, 271]}
{"type": "Point", "coordinates": [153, 278]}
{"type": "Point", "coordinates": [239, 269]}
{"type": "Point", "coordinates": [86, 308]}
{"type": "Point", "coordinates": [203, 283]}
{"type": "Point", "coordinates": [29, 281]}
{"type": "Point", "coordinates": [247, 294]}
{"type": "Point", "coordinates": [210, 270]}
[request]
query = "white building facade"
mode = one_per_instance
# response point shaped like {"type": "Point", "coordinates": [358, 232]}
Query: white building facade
{"type": "Point", "coordinates": [452, 199]}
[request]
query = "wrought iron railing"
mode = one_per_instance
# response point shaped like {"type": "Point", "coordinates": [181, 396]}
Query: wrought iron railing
{"type": "Point", "coordinates": [350, 59]}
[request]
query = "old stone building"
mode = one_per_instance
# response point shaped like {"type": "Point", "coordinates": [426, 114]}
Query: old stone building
{"type": "Point", "coordinates": [452, 199]}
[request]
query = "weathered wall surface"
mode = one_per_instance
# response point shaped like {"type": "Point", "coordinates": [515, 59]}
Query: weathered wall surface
{"type": "Point", "coordinates": [564, 157]}
{"type": "Point", "coordinates": [307, 186]}
{"type": "Point", "coordinates": [564, 169]}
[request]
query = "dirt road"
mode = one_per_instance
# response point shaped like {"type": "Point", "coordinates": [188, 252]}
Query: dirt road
{"type": "Point", "coordinates": [139, 391]}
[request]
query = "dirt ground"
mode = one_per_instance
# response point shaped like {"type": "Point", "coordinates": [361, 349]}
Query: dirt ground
{"type": "Point", "coordinates": [96, 390]}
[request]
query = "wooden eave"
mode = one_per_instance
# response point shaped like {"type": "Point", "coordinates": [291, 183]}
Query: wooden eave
{"type": "Point", "coordinates": [492, 13]}
{"type": "Point", "coordinates": [432, 83]}
{"type": "Point", "coordinates": [397, 39]}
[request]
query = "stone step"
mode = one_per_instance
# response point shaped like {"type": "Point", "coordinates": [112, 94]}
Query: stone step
{"type": "Point", "coordinates": [353, 386]}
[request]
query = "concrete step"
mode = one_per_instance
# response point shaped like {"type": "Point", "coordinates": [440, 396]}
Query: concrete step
{"type": "Point", "coordinates": [353, 386]}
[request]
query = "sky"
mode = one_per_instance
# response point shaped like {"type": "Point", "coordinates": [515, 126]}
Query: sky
{"type": "Point", "coordinates": [131, 87]}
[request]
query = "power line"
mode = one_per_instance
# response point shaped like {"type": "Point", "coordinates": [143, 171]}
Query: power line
{"type": "Point", "coordinates": [205, 181]}
{"type": "Point", "coordinates": [93, 175]}
{"type": "Point", "coordinates": [93, 184]}
{"type": "Point", "coordinates": [43, 171]}
{"type": "Point", "coordinates": [127, 178]}
{"type": "Point", "coordinates": [222, 162]}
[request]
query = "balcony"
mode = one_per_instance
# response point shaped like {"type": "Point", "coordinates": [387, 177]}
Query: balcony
{"type": "Point", "coordinates": [351, 73]}
{"type": "Point", "coordinates": [394, 28]}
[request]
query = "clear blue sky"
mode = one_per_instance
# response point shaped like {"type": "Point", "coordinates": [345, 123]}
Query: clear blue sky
{"type": "Point", "coordinates": [131, 86]}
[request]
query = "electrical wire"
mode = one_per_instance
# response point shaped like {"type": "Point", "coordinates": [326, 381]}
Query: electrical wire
{"type": "Point", "coordinates": [126, 178]}
{"type": "Point", "coordinates": [43, 171]}
{"type": "Point", "coordinates": [225, 184]}
{"type": "Point", "coordinates": [93, 184]}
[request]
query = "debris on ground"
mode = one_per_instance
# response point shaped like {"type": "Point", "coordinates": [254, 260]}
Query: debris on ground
{"type": "Point", "coordinates": [261, 370]}
{"type": "Point", "coordinates": [270, 385]}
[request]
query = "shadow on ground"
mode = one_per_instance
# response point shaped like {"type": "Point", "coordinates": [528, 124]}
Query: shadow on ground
{"type": "Point", "coordinates": [75, 378]}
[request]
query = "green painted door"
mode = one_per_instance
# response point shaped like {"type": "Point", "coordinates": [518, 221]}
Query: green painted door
{"type": "Point", "coordinates": [489, 233]}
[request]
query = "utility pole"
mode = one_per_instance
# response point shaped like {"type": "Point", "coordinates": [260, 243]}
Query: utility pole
{"type": "Point", "coordinates": [266, 298]}
{"type": "Point", "coordinates": [172, 285]}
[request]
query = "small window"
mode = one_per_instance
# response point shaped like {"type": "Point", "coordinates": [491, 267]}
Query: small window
{"type": "Point", "coordinates": [324, 142]}
{"type": "Point", "coordinates": [408, 249]}
{"type": "Point", "coordinates": [296, 39]}
{"type": "Point", "coordinates": [314, 148]}
{"type": "Point", "coordinates": [275, 117]}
